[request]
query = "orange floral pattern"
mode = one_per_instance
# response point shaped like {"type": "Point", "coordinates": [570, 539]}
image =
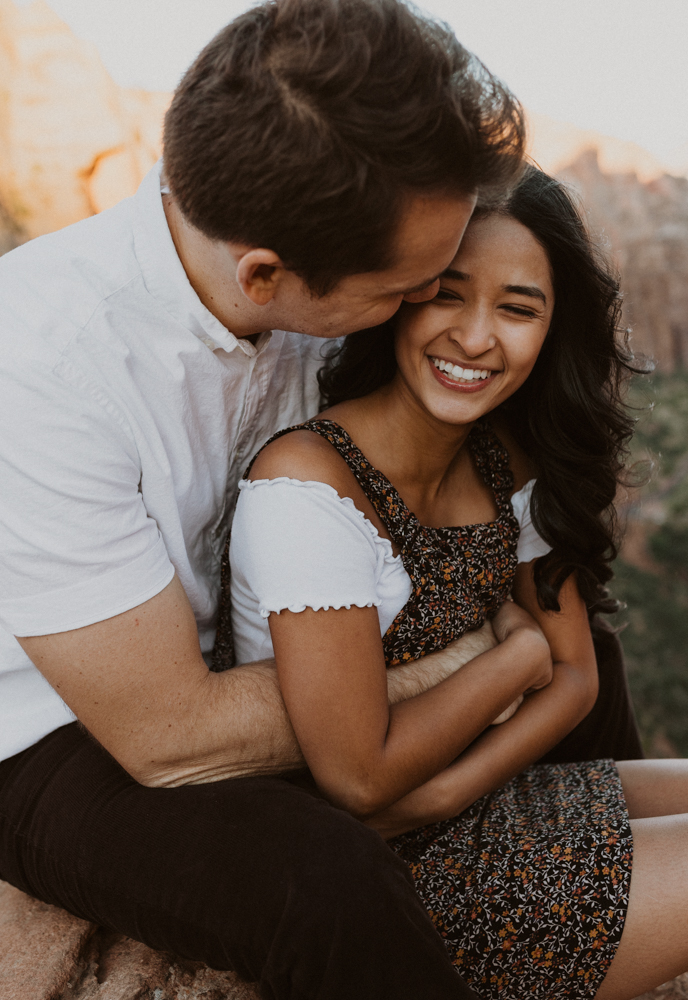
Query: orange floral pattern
{"type": "Point", "coordinates": [460, 576]}
{"type": "Point", "coordinates": [529, 887]}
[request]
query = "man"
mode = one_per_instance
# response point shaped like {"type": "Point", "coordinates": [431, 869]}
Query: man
{"type": "Point", "coordinates": [322, 158]}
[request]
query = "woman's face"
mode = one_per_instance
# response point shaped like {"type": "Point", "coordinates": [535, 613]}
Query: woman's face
{"type": "Point", "coordinates": [468, 349]}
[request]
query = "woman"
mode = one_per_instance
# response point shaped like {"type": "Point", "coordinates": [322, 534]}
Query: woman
{"type": "Point", "coordinates": [474, 410]}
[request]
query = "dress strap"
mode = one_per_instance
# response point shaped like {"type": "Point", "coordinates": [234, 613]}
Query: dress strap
{"type": "Point", "coordinates": [492, 461]}
{"type": "Point", "coordinates": [400, 522]}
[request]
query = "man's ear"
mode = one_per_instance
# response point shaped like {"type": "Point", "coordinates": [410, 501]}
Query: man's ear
{"type": "Point", "coordinates": [259, 273]}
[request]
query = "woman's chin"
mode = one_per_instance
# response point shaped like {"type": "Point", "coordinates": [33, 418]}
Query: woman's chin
{"type": "Point", "coordinates": [462, 409]}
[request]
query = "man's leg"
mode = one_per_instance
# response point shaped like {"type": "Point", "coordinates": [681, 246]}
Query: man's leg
{"type": "Point", "coordinates": [256, 875]}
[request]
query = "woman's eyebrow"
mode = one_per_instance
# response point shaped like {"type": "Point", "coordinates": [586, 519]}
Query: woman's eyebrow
{"type": "Point", "coordinates": [530, 290]}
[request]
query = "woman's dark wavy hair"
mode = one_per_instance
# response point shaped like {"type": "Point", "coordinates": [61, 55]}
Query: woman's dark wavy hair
{"type": "Point", "coordinates": [569, 415]}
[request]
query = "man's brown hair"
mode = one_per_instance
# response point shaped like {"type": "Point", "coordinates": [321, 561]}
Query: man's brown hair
{"type": "Point", "coordinates": [304, 124]}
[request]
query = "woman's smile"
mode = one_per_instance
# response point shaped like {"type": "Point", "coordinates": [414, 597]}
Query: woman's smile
{"type": "Point", "coordinates": [481, 334]}
{"type": "Point", "coordinates": [462, 378]}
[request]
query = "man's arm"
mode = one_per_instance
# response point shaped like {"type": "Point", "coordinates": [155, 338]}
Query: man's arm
{"type": "Point", "coordinates": [139, 684]}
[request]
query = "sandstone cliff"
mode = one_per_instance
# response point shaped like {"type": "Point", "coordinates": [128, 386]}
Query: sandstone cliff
{"type": "Point", "coordinates": [71, 141]}
{"type": "Point", "coordinates": [645, 225]}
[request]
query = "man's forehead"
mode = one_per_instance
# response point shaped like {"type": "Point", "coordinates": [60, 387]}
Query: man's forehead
{"type": "Point", "coordinates": [427, 239]}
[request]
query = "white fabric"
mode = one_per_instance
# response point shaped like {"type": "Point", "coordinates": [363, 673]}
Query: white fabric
{"type": "Point", "coordinates": [530, 544]}
{"type": "Point", "coordinates": [128, 413]}
{"type": "Point", "coordinates": [299, 544]}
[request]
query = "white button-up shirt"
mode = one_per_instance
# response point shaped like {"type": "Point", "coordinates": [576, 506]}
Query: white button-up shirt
{"type": "Point", "coordinates": [128, 413]}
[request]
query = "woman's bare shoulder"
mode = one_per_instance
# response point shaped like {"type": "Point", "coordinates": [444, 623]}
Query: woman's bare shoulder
{"type": "Point", "coordinates": [306, 456]}
{"type": "Point", "coordinates": [522, 466]}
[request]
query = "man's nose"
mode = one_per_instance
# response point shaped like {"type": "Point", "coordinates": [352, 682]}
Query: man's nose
{"type": "Point", "coordinates": [425, 294]}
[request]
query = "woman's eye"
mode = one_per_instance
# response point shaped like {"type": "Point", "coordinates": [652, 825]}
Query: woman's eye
{"type": "Point", "coordinates": [520, 311]}
{"type": "Point", "coordinates": [448, 296]}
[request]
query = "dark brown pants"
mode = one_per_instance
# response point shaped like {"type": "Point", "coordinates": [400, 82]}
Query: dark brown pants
{"type": "Point", "coordinates": [257, 875]}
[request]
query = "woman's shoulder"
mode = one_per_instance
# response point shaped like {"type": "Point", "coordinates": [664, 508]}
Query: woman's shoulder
{"type": "Point", "coordinates": [306, 456]}
{"type": "Point", "coordinates": [521, 464]}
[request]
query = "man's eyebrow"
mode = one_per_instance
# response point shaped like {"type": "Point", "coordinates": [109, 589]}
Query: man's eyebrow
{"type": "Point", "coordinates": [532, 291]}
{"type": "Point", "coordinates": [456, 275]}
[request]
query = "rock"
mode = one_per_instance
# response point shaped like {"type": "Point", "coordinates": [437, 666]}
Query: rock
{"type": "Point", "coordinates": [645, 224]}
{"type": "Point", "coordinates": [10, 233]}
{"type": "Point", "coordinates": [39, 946]}
{"type": "Point", "coordinates": [46, 954]}
{"type": "Point", "coordinates": [554, 144]}
{"type": "Point", "coordinates": [71, 141]}
{"type": "Point", "coordinates": [676, 989]}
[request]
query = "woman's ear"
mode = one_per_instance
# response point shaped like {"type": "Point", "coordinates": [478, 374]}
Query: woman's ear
{"type": "Point", "coordinates": [259, 273]}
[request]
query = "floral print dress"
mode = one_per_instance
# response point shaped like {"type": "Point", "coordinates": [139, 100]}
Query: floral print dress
{"type": "Point", "coordinates": [529, 886]}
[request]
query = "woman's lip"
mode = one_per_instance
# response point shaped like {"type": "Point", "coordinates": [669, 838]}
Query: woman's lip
{"type": "Point", "coordinates": [474, 386]}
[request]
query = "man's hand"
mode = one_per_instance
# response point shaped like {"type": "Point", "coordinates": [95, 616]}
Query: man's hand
{"type": "Point", "coordinates": [410, 679]}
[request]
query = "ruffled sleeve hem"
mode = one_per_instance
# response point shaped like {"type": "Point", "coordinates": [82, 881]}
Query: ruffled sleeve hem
{"type": "Point", "coordinates": [298, 544]}
{"type": "Point", "coordinates": [297, 608]}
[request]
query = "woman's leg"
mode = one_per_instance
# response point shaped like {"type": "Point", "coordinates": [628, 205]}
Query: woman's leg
{"type": "Point", "coordinates": [654, 945]}
{"type": "Point", "coordinates": [654, 787]}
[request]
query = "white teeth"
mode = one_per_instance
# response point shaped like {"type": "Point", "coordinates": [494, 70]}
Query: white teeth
{"type": "Point", "coordinates": [457, 372]}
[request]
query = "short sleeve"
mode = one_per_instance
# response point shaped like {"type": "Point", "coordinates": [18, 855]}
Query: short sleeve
{"type": "Point", "coordinates": [298, 545]}
{"type": "Point", "coordinates": [530, 544]}
{"type": "Point", "coordinates": [78, 546]}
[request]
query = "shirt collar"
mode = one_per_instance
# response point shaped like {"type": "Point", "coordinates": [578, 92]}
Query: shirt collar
{"type": "Point", "coordinates": [165, 277]}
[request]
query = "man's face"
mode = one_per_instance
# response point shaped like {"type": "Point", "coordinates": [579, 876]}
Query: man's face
{"type": "Point", "coordinates": [426, 243]}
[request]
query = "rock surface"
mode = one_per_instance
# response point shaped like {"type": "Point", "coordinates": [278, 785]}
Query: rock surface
{"type": "Point", "coordinates": [46, 954]}
{"type": "Point", "coordinates": [645, 224]}
{"type": "Point", "coordinates": [72, 142]}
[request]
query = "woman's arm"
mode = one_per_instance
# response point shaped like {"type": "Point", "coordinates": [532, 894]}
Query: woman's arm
{"type": "Point", "coordinates": [546, 716]}
{"type": "Point", "coordinates": [363, 754]}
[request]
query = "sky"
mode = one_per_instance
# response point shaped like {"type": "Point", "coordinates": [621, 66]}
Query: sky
{"type": "Point", "coordinates": [616, 66]}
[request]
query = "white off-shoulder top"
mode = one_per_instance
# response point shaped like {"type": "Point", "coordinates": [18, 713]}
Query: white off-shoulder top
{"type": "Point", "coordinates": [298, 545]}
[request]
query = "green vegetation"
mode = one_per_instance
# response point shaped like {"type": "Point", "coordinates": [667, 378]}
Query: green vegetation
{"type": "Point", "coordinates": [654, 585]}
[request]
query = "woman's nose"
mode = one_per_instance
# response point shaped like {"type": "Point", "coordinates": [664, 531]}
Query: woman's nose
{"type": "Point", "coordinates": [474, 334]}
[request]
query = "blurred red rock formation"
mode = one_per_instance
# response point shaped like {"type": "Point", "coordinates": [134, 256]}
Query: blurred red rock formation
{"type": "Point", "coordinates": [71, 141]}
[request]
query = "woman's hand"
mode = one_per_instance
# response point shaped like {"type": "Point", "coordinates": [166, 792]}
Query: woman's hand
{"type": "Point", "coordinates": [512, 622]}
